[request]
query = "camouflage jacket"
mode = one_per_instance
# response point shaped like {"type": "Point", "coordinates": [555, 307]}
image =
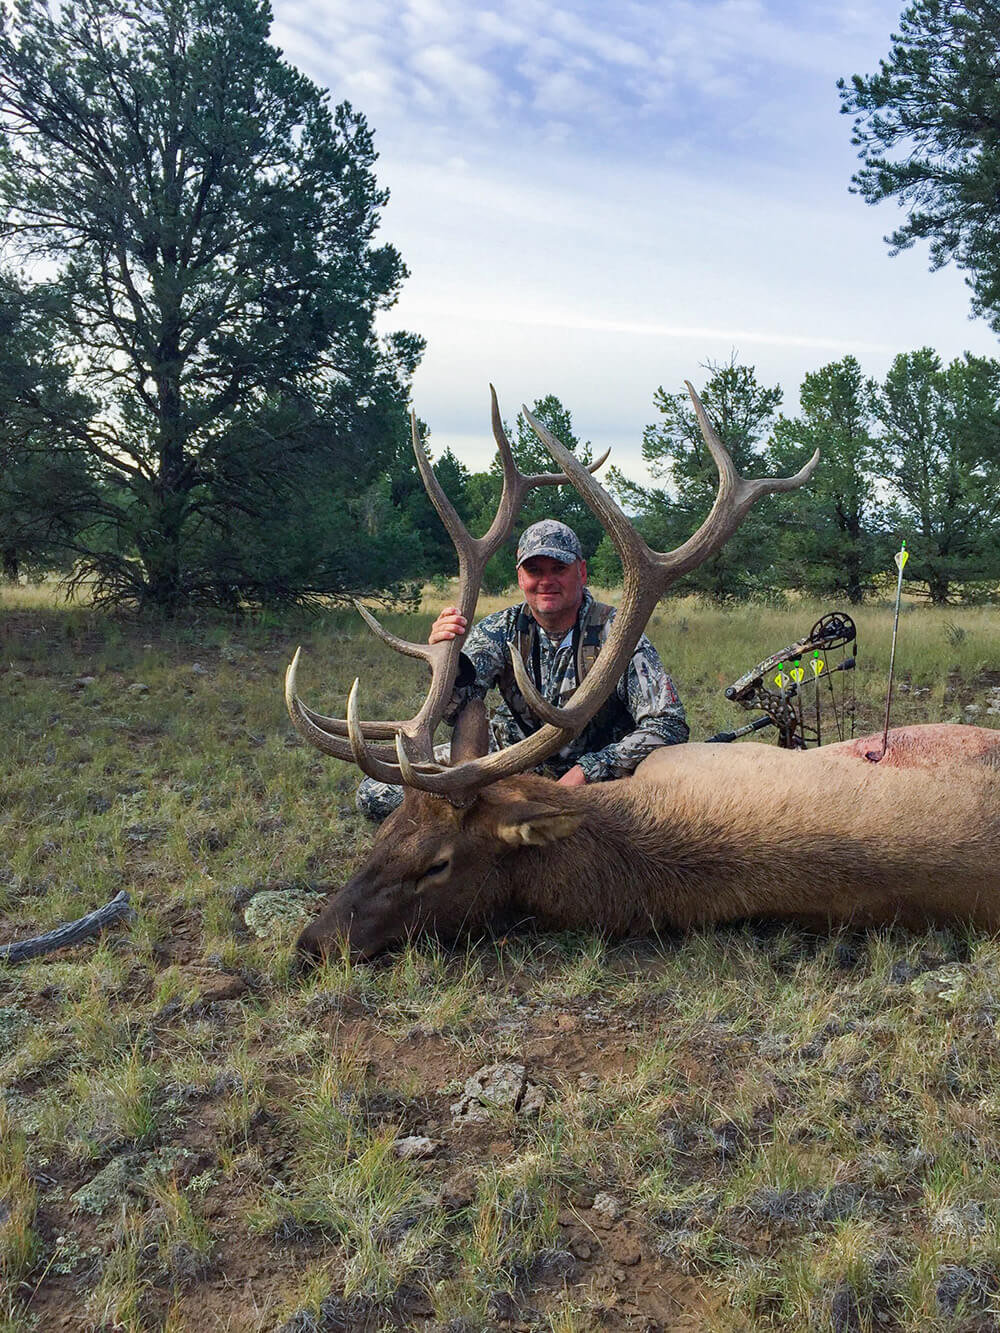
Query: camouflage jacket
{"type": "Point", "coordinates": [643, 713]}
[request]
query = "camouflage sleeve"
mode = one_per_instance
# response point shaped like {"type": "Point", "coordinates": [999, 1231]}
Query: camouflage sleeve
{"type": "Point", "coordinates": [481, 663]}
{"type": "Point", "coordinates": [648, 693]}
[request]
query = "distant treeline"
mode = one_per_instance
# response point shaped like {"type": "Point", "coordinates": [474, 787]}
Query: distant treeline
{"type": "Point", "coordinates": [915, 457]}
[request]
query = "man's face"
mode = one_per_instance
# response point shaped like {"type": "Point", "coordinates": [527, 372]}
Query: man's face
{"type": "Point", "coordinates": [552, 590]}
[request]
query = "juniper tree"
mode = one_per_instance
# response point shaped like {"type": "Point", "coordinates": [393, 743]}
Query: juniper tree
{"type": "Point", "coordinates": [210, 220]}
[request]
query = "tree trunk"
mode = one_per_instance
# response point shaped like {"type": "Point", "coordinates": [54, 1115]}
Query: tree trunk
{"type": "Point", "coordinates": [938, 585]}
{"type": "Point", "coordinates": [11, 568]}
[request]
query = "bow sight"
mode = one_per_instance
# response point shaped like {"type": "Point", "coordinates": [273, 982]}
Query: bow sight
{"type": "Point", "coordinates": [792, 686]}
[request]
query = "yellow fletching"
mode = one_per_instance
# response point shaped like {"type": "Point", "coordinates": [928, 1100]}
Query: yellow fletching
{"type": "Point", "coordinates": [901, 558]}
{"type": "Point", "coordinates": [817, 665]}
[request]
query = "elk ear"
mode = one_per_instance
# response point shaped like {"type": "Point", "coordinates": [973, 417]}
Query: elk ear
{"type": "Point", "coordinates": [531, 824]}
{"type": "Point", "coordinates": [471, 736]}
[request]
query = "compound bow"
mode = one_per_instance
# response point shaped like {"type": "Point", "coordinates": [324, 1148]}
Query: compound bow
{"type": "Point", "coordinates": [784, 683]}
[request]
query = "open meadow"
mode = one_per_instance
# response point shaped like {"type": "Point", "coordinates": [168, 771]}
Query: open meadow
{"type": "Point", "coordinates": [744, 1128]}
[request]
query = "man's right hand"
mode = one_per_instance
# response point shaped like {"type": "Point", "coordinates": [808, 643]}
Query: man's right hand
{"type": "Point", "coordinates": [450, 624]}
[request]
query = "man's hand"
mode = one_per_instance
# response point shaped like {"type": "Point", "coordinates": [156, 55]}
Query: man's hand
{"type": "Point", "coordinates": [450, 624]}
{"type": "Point", "coordinates": [574, 778]}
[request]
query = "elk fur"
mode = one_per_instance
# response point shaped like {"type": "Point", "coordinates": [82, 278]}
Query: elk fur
{"type": "Point", "coordinates": [701, 834]}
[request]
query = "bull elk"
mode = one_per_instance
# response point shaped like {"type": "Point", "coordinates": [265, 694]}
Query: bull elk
{"type": "Point", "coordinates": [699, 834]}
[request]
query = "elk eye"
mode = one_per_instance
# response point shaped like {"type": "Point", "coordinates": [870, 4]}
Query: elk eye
{"type": "Point", "coordinates": [436, 868]}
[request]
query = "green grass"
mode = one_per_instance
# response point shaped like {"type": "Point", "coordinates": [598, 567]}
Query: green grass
{"type": "Point", "coordinates": [195, 1135]}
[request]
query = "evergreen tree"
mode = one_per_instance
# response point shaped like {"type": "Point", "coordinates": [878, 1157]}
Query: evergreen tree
{"type": "Point", "coordinates": [830, 530]}
{"type": "Point", "coordinates": [743, 413]}
{"type": "Point", "coordinates": [928, 127]}
{"type": "Point", "coordinates": [47, 495]}
{"type": "Point", "coordinates": [210, 221]}
{"type": "Point", "coordinates": [940, 451]}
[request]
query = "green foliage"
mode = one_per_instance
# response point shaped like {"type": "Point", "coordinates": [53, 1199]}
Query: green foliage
{"type": "Point", "coordinates": [742, 411]}
{"type": "Point", "coordinates": [604, 569]}
{"type": "Point", "coordinates": [831, 538]}
{"type": "Point", "coordinates": [940, 450]}
{"type": "Point", "coordinates": [46, 488]}
{"type": "Point", "coordinates": [928, 127]}
{"type": "Point", "coordinates": [482, 492]}
{"type": "Point", "coordinates": [209, 221]}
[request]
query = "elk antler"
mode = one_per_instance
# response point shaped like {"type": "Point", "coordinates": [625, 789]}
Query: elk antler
{"type": "Point", "coordinates": [411, 759]}
{"type": "Point", "coordinates": [647, 576]}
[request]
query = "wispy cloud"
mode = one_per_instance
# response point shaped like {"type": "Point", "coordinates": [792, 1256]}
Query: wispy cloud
{"type": "Point", "coordinates": [521, 67]}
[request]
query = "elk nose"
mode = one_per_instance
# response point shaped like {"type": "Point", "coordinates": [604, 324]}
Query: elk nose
{"type": "Point", "coordinates": [310, 946]}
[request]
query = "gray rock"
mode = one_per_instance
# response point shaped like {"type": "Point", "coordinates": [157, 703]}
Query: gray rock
{"type": "Point", "coordinates": [608, 1208]}
{"type": "Point", "coordinates": [414, 1148]}
{"type": "Point", "coordinates": [501, 1086]}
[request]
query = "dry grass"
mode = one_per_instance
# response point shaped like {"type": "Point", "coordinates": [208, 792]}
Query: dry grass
{"type": "Point", "coordinates": [794, 1132]}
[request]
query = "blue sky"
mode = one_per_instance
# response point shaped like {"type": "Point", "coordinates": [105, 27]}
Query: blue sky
{"type": "Point", "coordinates": [595, 199]}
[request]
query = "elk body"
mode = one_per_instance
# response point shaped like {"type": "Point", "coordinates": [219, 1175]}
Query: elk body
{"type": "Point", "coordinates": [700, 833]}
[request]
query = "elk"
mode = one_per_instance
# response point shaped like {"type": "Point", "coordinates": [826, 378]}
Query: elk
{"type": "Point", "coordinates": [701, 833]}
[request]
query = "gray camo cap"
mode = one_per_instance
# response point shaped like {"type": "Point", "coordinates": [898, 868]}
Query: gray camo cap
{"type": "Point", "coordinates": [552, 538]}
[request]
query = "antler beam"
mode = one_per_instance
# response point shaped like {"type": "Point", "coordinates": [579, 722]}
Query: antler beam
{"type": "Point", "coordinates": [349, 741]}
{"type": "Point", "coordinates": [647, 576]}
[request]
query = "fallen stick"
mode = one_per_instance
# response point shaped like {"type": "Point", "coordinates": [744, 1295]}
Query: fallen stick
{"type": "Point", "coordinates": [69, 933]}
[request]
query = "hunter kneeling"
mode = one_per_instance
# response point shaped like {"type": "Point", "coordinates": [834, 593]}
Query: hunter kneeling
{"type": "Point", "coordinates": [558, 630]}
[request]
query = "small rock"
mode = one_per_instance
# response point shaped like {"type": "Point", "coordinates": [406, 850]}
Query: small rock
{"type": "Point", "coordinates": [581, 1249]}
{"type": "Point", "coordinates": [608, 1209]}
{"type": "Point", "coordinates": [198, 670]}
{"type": "Point", "coordinates": [108, 1187]}
{"type": "Point", "coordinates": [503, 1086]}
{"type": "Point", "coordinates": [588, 1082]}
{"type": "Point", "coordinates": [82, 682]}
{"type": "Point", "coordinates": [946, 983]}
{"type": "Point", "coordinates": [414, 1148]}
{"type": "Point", "coordinates": [138, 688]}
{"type": "Point", "coordinates": [533, 1101]}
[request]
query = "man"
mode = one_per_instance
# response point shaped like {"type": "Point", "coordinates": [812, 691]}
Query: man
{"type": "Point", "coordinates": [558, 630]}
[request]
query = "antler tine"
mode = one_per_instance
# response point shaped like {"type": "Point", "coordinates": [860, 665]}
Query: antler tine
{"type": "Point", "coordinates": [647, 575]}
{"type": "Point", "coordinates": [560, 478]}
{"type": "Point", "coordinates": [393, 640]}
{"type": "Point", "coordinates": [366, 758]}
{"type": "Point", "coordinates": [516, 483]}
{"type": "Point", "coordinates": [337, 726]}
{"type": "Point", "coordinates": [464, 542]}
{"type": "Point", "coordinates": [315, 728]}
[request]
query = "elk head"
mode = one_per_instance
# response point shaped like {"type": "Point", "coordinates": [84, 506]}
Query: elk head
{"type": "Point", "coordinates": [438, 860]}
